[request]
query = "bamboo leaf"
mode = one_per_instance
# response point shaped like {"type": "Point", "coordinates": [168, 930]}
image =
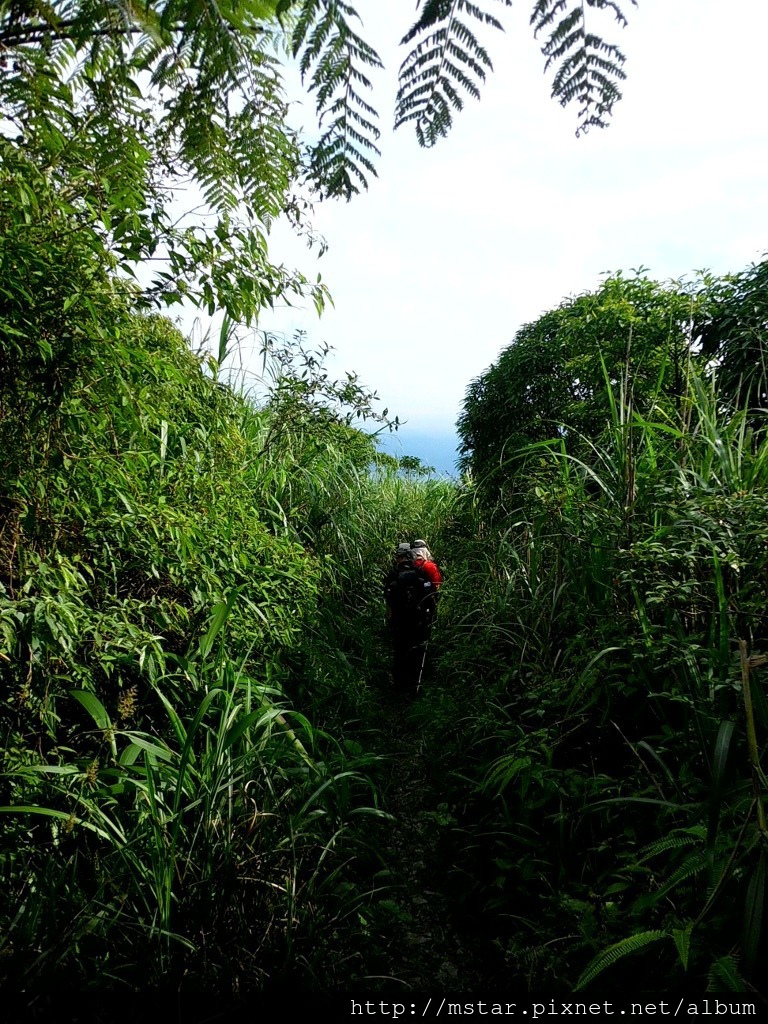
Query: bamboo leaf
{"type": "Point", "coordinates": [94, 707]}
{"type": "Point", "coordinates": [98, 713]}
{"type": "Point", "coordinates": [719, 763]}
{"type": "Point", "coordinates": [221, 613]}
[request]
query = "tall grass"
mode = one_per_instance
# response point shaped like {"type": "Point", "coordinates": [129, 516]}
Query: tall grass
{"type": "Point", "coordinates": [595, 671]}
{"type": "Point", "coordinates": [168, 560]}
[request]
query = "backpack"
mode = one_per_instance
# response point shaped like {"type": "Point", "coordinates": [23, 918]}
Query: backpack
{"type": "Point", "coordinates": [410, 593]}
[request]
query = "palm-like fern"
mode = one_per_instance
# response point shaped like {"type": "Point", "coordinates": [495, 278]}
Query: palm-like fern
{"type": "Point", "coordinates": [588, 67]}
{"type": "Point", "coordinates": [73, 86]}
{"type": "Point", "coordinates": [446, 61]}
{"type": "Point", "coordinates": [449, 62]}
{"type": "Point", "coordinates": [200, 55]}
{"type": "Point", "coordinates": [217, 99]}
{"type": "Point", "coordinates": [724, 976]}
{"type": "Point", "coordinates": [120, 100]}
{"type": "Point", "coordinates": [332, 56]}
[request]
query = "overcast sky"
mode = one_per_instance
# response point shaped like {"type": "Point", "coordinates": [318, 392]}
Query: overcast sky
{"type": "Point", "coordinates": [452, 249]}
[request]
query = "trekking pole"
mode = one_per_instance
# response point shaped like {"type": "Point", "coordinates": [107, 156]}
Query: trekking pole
{"type": "Point", "coordinates": [421, 668]}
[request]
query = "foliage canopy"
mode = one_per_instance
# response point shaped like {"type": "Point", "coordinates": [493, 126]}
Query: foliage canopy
{"type": "Point", "coordinates": [121, 106]}
{"type": "Point", "coordinates": [556, 377]}
{"type": "Point", "coordinates": [735, 335]}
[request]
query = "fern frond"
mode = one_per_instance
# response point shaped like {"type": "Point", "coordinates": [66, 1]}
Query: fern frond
{"type": "Point", "coordinates": [676, 840]}
{"type": "Point", "coordinates": [331, 59]}
{"type": "Point", "coordinates": [690, 867]}
{"type": "Point", "coordinates": [545, 12]}
{"type": "Point", "coordinates": [503, 771]}
{"type": "Point", "coordinates": [615, 952]}
{"type": "Point", "coordinates": [447, 63]}
{"type": "Point", "coordinates": [588, 68]}
{"type": "Point", "coordinates": [724, 976]}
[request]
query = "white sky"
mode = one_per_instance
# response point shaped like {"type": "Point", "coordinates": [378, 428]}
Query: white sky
{"type": "Point", "coordinates": [452, 249]}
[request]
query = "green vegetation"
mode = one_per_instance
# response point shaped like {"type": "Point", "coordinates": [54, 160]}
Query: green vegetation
{"type": "Point", "coordinates": [123, 95]}
{"type": "Point", "coordinates": [621, 621]}
{"type": "Point", "coordinates": [205, 782]}
{"type": "Point", "coordinates": [629, 342]}
{"type": "Point", "coordinates": [193, 656]}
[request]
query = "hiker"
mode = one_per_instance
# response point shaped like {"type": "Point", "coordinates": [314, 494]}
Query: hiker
{"type": "Point", "coordinates": [423, 559]}
{"type": "Point", "coordinates": [410, 597]}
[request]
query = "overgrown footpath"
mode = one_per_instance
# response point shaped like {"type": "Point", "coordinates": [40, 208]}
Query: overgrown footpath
{"type": "Point", "coordinates": [425, 946]}
{"type": "Point", "coordinates": [205, 786]}
{"type": "Point", "coordinates": [186, 802]}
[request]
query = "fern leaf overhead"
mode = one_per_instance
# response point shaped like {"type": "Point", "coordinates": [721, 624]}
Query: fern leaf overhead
{"type": "Point", "coordinates": [447, 62]}
{"type": "Point", "coordinates": [195, 90]}
{"type": "Point", "coordinates": [332, 56]}
{"type": "Point", "coordinates": [587, 67]}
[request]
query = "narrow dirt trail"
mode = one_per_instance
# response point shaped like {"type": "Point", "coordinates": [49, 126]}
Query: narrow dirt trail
{"type": "Point", "coordinates": [429, 952]}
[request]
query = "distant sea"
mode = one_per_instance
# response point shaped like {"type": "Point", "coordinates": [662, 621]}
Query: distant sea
{"type": "Point", "coordinates": [437, 450]}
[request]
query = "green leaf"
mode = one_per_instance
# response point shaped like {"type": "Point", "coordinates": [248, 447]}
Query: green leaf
{"type": "Point", "coordinates": [609, 956]}
{"type": "Point", "coordinates": [724, 976]}
{"type": "Point", "coordinates": [98, 713]}
{"type": "Point", "coordinates": [719, 763]}
{"type": "Point", "coordinates": [221, 613]}
{"type": "Point", "coordinates": [682, 937]}
{"type": "Point", "coordinates": [49, 812]}
{"type": "Point", "coordinates": [94, 707]}
{"type": "Point", "coordinates": [754, 906]}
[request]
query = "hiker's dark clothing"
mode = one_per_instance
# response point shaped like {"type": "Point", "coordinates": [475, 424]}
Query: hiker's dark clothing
{"type": "Point", "coordinates": [410, 597]}
{"type": "Point", "coordinates": [408, 652]}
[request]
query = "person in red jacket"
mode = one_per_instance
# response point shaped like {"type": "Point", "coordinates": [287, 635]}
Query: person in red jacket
{"type": "Point", "coordinates": [423, 559]}
{"type": "Point", "coordinates": [410, 597]}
